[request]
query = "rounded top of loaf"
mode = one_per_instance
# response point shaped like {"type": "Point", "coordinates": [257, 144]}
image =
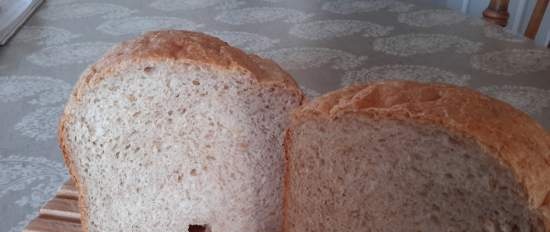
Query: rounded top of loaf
{"type": "Point", "coordinates": [509, 135]}
{"type": "Point", "coordinates": [184, 47]}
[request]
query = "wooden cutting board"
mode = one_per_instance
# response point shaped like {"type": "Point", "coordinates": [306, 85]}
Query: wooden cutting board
{"type": "Point", "coordinates": [60, 214]}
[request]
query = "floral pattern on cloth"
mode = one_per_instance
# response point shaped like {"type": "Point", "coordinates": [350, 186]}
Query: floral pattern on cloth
{"type": "Point", "coordinates": [139, 25]}
{"type": "Point", "coordinates": [363, 6]}
{"type": "Point", "coordinates": [513, 61]}
{"type": "Point", "coordinates": [46, 92]}
{"type": "Point", "coordinates": [328, 29]}
{"type": "Point", "coordinates": [176, 5]}
{"type": "Point", "coordinates": [40, 124]}
{"type": "Point", "coordinates": [244, 40]}
{"type": "Point", "coordinates": [412, 44]}
{"type": "Point", "coordinates": [83, 10]}
{"type": "Point", "coordinates": [37, 90]}
{"type": "Point", "coordinates": [530, 100]}
{"type": "Point", "coordinates": [404, 72]}
{"type": "Point", "coordinates": [256, 15]}
{"type": "Point", "coordinates": [499, 33]}
{"type": "Point", "coordinates": [33, 180]}
{"type": "Point", "coordinates": [310, 57]}
{"type": "Point", "coordinates": [431, 18]}
{"type": "Point", "coordinates": [43, 35]}
{"type": "Point", "coordinates": [59, 2]}
{"type": "Point", "coordinates": [76, 53]}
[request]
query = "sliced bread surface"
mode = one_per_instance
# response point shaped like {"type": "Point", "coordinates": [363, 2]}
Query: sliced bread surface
{"type": "Point", "coordinates": [405, 156]}
{"type": "Point", "coordinates": [176, 131]}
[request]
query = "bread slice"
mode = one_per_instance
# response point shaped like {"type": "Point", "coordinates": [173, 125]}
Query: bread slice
{"type": "Point", "coordinates": [404, 156]}
{"type": "Point", "coordinates": [177, 131]}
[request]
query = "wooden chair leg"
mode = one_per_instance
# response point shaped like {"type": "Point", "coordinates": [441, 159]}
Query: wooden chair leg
{"type": "Point", "coordinates": [497, 12]}
{"type": "Point", "coordinates": [536, 19]}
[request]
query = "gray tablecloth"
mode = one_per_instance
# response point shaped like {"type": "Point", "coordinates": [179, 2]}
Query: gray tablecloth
{"type": "Point", "coordinates": [324, 44]}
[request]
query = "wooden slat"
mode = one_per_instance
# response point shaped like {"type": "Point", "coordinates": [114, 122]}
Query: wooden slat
{"type": "Point", "coordinates": [60, 214]}
{"type": "Point", "coordinates": [62, 208]}
{"type": "Point", "coordinates": [41, 224]}
{"type": "Point", "coordinates": [68, 190]}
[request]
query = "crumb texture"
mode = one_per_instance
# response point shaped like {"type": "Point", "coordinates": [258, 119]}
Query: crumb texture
{"type": "Point", "coordinates": [163, 146]}
{"type": "Point", "coordinates": [358, 174]}
{"type": "Point", "coordinates": [508, 135]}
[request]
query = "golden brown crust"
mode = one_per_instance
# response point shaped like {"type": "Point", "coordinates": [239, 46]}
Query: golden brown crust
{"type": "Point", "coordinates": [83, 206]}
{"type": "Point", "coordinates": [173, 47]}
{"type": "Point", "coordinates": [183, 47]}
{"type": "Point", "coordinates": [511, 136]}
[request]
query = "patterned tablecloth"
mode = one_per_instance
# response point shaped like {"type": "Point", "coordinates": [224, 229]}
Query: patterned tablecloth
{"type": "Point", "coordinates": [324, 44]}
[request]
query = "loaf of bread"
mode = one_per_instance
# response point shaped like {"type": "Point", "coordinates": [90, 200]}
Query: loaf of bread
{"type": "Point", "coordinates": [404, 156]}
{"type": "Point", "coordinates": [177, 131]}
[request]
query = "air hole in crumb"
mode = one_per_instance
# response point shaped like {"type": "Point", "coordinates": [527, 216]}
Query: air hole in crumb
{"type": "Point", "coordinates": [193, 172]}
{"type": "Point", "coordinates": [416, 156]}
{"type": "Point", "coordinates": [435, 219]}
{"type": "Point", "coordinates": [195, 82]}
{"type": "Point", "coordinates": [198, 228]}
{"type": "Point", "coordinates": [132, 98]}
{"type": "Point", "coordinates": [148, 69]}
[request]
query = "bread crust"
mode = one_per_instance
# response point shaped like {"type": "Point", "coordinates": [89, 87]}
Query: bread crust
{"type": "Point", "coordinates": [183, 47]}
{"type": "Point", "coordinates": [83, 205]}
{"type": "Point", "coordinates": [174, 47]}
{"type": "Point", "coordinates": [509, 135]}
